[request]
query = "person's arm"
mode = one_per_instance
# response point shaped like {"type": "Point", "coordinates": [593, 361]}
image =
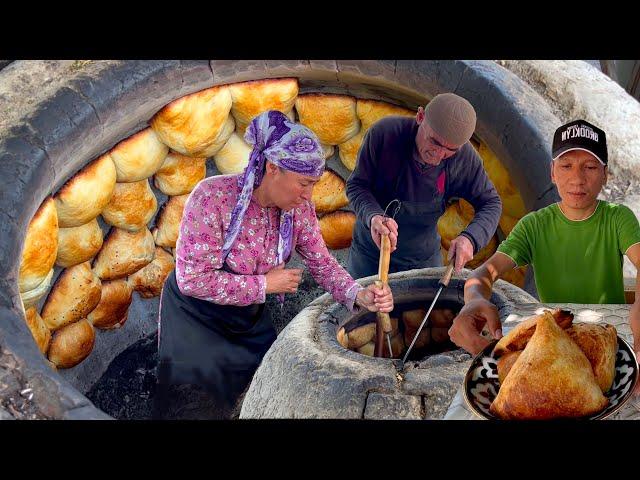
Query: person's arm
{"type": "Point", "coordinates": [328, 273]}
{"type": "Point", "coordinates": [479, 285]}
{"type": "Point", "coordinates": [633, 252]}
{"type": "Point", "coordinates": [628, 230]}
{"type": "Point", "coordinates": [515, 251]}
{"type": "Point", "coordinates": [478, 310]}
{"type": "Point", "coordinates": [199, 259]}
{"type": "Point", "coordinates": [472, 183]}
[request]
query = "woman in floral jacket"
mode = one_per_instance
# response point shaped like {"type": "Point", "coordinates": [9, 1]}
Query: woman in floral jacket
{"type": "Point", "coordinates": [236, 235]}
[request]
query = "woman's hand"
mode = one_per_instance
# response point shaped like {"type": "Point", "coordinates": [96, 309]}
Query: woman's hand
{"type": "Point", "coordinates": [375, 299]}
{"type": "Point", "coordinates": [283, 280]}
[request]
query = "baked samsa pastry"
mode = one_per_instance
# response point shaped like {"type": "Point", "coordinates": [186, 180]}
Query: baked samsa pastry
{"type": "Point", "coordinates": [234, 156]}
{"type": "Point", "coordinates": [368, 349]}
{"type": "Point", "coordinates": [423, 340]}
{"type": "Point", "coordinates": [343, 337]}
{"type": "Point", "coordinates": [167, 228]}
{"type": "Point", "coordinates": [76, 292]}
{"type": "Point", "coordinates": [132, 206]}
{"type": "Point", "coordinates": [453, 221]}
{"type": "Point", "coordinates": [124, 253]}
{"type": "Point", "coordinates": [78, 244]}
{"type": "Point", "coordinates": [329, 194]}
{"type": "Point", "coordinates": [441, 317]}
{"type": "Point", "coordinates": [337, 229]}
{"type": "Point", "coordinates": [412, 320]}
{"type": "Point", "coordinates": [507, 223]}
{"type": "Point", "coordinates": [599, 343]}
{"type": "Point", "coordinates": [31, 297]}
{"type": "Point", "coordinates": [332, 118]}
{"type": "Point", "coordinates": [551, 378]}
{"type": "Point", "coordinates": [72, 344]}
{"type": "Point", "coordinates": [327, 150]}
{"type": "Point", "coordinates": [348, 151]}
{"type": "Point", "coordinates": [40, 247]}
{"type": "Point", "coordinates": [83, 197]}
{"type": "Point", "coordinates": [139, 156]}
{"type": "Point", "coordinates": [114, 304]}
{"type": "Point", "coordinates": [39, 331]}
{"type": "Point", "coordinates": [518, 337]}
{"type": "Point", "coordinates": [370, 111]}
{"type": "Point", "coordinates": [361, 335]}
{"type": "Point", "coordinates": [505, 363]}
{"type": "Point", "coordinates": [179, 174]}
{"type": "Point", "coordinates": [148, 281]}
{"type": "Point", "coordinates": [512, 203]}
{"type": "Point", "coordinates": [197, 125]}
{"type": "Point", "coordinates": [254, 97]}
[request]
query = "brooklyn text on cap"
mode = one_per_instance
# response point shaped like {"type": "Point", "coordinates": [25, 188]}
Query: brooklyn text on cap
{"type": "Point", "coordinates": [580, 135]}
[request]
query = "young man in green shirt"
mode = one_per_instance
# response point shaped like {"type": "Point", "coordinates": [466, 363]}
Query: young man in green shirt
{"type": "Point", "coordinates": [575, 246]}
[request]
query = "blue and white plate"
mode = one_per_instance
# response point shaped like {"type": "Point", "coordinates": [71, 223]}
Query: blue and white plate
{"type": "Point", "coordinates": [481, 383]}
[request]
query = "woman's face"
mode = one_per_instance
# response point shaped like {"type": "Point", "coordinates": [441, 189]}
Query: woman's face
{"type": "Point", "coordinates": [290, 190]}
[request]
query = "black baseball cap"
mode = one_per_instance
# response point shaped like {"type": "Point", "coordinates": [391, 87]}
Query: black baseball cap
{"type": "Point", "coordinates": [580, 135]}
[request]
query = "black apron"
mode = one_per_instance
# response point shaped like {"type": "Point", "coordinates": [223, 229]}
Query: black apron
{"type": "Point", "coordinates": [418, 238]}
{"type": "Point", "coordinates": [217, 347]}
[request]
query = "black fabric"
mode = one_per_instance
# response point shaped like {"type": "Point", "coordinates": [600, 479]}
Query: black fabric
{"type": "Point", "coordinates": [215, 347]}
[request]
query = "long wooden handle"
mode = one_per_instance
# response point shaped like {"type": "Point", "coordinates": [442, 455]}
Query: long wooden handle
{"type": "Point", "coordinates": [385, 320]}
{"type": "Point", "coordinates": [385, 258]}
{"type": "Point", "coordinates": [444, 281]}
{"type": "Point", "coordinates": [383, 276]}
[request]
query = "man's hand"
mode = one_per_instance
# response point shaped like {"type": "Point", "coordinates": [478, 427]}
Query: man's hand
{"type": "Point", "coordinates": [466, 328]}
{"type": "Point", "coordinates": [462, 248]}
{"type": "Point", "coordinates": [283, 280]}
{"type": "Point", "coordinates": [375, 299]}
{"type": "Point", "coordinates": [384, 226]}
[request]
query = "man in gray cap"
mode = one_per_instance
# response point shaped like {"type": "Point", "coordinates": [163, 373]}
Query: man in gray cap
{"type": "Point", "coordinates": [423, 164]}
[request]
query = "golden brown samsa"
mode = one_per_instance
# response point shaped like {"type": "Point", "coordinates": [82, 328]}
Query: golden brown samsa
{"type": "Point", "coordinates": [329, 194]}
{"type": "Point", "coordinates": [505, 363]}
{"type": "Point", "coordinates": [148, 281]}
{"type": "Point", "coordinates": [40, 247]}
{"type": "Point", "coordinates": [599, 343]}
{"type": "Point", "coordinates": [517, 338]}
{"type": "Point", "coordinates": [114, 304]}
{"type": "Point", "coordinates": [72, 344]}
{"type": "Point", "coordinates": [76, 292]}
{"type": "Point", "coordinates": [551, 378]}
{"type": "Point", "coordinates": [337, 229]}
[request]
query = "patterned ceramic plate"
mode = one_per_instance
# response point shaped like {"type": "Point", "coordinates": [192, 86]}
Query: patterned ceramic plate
{"type": "Point", "coordinates": [481, 382]}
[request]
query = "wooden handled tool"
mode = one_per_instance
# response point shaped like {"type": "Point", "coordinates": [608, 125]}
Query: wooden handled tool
{"type": "Point", "coordinates": [383, 321]}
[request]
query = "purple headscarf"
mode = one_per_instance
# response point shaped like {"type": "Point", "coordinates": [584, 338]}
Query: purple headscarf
{"type": "Point", "coordinates": [286, 144]}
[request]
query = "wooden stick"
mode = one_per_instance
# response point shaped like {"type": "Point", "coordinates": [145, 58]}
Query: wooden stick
{"type": "Point", "coordinates": [383, 321]}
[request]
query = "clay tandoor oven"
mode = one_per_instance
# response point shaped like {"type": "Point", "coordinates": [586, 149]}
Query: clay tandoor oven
{"type": "Point", "coordinates": [97, 176]}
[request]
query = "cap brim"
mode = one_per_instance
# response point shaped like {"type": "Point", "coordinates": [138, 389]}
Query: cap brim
{"type": "Point", "coordinates": [570, 149]}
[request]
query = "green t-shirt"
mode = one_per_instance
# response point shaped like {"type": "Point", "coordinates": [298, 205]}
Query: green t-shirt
{"type": "Point", "coordinates": [575, 261]}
